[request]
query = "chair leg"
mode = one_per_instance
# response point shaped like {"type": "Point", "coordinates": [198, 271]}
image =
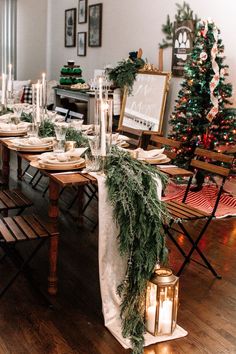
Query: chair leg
{"type": "Point", "coordinates": [34, 176]}
{"type": "Point", "coordinates": [21, 268]}
{"type": "Point", "coordinates": [195, 247]}
{"type": "Point", "coordinates": [37, 182]}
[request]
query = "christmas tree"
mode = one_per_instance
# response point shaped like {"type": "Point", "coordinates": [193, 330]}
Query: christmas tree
{"type": "Point", "coordinates": [200, 117]}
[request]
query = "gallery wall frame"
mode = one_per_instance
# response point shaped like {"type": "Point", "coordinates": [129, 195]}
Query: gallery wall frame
{"type": "Point", "coordinates": [95, 25]}
{"type": "Point", "coordinates": [81, 44]}
{"type": "Point", "coordinates": [70, 27]}
{"type": "Point", "coordinates": [82, 11]}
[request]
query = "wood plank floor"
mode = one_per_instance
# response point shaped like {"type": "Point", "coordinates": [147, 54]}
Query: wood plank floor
{"type": "Point", "coordinates": [75, 324]}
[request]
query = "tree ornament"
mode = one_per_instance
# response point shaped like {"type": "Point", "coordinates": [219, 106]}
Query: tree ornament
{"type": "Point", "coordinates": [202, 98]}
{"type": "Point", "coordinates": [203, 56]}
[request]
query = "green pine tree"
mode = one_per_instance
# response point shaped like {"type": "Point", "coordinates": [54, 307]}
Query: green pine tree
{"type": "Point", "coordinates": [194, 121]}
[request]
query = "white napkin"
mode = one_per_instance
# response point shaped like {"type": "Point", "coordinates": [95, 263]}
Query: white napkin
{"type": "Point", "coordinates": [150, 154]}
{"type": "Point", "coordinates": [32, 141]}
{"type": "Point", "coordinates": [5, 117]}
{"type": "Point", "coordinates": [54, 157]}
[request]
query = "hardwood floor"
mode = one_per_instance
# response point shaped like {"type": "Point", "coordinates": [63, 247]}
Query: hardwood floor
{"type": "Point", "coordinates": [75, 324]}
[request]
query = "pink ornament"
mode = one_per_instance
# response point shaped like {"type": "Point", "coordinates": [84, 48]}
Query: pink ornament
{"type": "Point", "coordinates": [203, 56]}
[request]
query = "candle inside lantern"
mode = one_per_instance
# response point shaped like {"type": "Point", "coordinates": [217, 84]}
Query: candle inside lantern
{"type": "Point", "coordinates": [151, 318]}
{"type": "Point", "coordinates": [4, 83]}
{"type": "Point", "coordinates": [165, 317]}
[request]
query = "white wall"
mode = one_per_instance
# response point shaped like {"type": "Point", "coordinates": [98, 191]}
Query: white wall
{"type": "Point", "coordinates": [127, 25]}
{"type": "Point", "coordinates": [130, 24]}
{"type": "Point", "coordinates": [31, 38]}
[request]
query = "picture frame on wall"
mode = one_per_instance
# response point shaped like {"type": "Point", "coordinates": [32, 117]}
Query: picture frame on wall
{"type": "Point", "coordinates": [82, 11]}
{"type": "Point", "coordinates": [70, 27]}
{"type": "Point", "coordinates": [81, 44]}
{"type": "Point", "coordinates": [95, 25]}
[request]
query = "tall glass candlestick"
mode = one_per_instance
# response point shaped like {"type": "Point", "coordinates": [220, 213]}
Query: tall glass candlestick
{"type": "Point", "coordinates": [10, 81]}
{"type": "Point", "coordinates": [44, 88]}
{"type": "Point", "coordinates": [4, 88]}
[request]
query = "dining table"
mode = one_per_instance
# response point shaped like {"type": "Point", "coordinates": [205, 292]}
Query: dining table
{"type": "Point", "coordinates": [57, 181]}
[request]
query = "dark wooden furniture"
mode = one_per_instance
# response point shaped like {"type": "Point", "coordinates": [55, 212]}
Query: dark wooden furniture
{"type": "Point", "coordinates": [181, 213]}
{"type": "Point", "coordinates": [135, 136]}
{"type": "Point", "coordinates": [151, 141]}
{"type": "Point", "coordinates": [18, 229]}
{"type": "Point", "coordinates": [13, 200]}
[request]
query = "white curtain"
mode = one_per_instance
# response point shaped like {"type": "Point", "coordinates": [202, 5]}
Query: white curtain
{"type": "Point", "coordinates": [8, 34]}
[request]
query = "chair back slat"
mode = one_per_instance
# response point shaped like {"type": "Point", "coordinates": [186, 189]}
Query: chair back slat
{"type": "Point", "coordinates": [153, 141]}
{"type": "Point", "coordinates": [75, 115]}
{"type": "Point", "coordinates": [214, 155]}
{"type": "Point", "coordinates": [164, 141]}
{"type": "Point", "coordinates": [135, 135]}
{"type": "Point", "coordinates": [219, 170]}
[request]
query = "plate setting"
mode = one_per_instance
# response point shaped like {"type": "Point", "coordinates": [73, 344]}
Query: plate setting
{"type": "Point", "coordinates": [33, 144]}
{"type": "Point", "coordinates": [59, 161]}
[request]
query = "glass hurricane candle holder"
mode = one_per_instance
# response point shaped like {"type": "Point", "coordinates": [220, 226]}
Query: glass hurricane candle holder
{"type": "Point", "coordinates": [103, 122]}
{"type": "Point", "coordinates": [162, 302]}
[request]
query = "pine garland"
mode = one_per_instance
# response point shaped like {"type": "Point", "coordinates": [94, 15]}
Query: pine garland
{"type": "Point", "coordinates": [184, 12]}
{"type": "Point", "coordinates": [124, 74]}
{"type": "Point", "coordinates": [139, 213]}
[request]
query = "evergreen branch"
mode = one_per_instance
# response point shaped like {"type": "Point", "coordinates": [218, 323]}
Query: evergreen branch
{"type": "Point", "coordinates": [139, 213]}
{"type": "Point", "coordinates": [124, 74]}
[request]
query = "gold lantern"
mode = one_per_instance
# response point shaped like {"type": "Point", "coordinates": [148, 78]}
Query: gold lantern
{"type": "Point", "coordinates": [162, 302]}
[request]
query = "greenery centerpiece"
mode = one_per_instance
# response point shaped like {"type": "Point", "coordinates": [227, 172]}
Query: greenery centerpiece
{"type": "Point", "coordinates": [46, 129]}
{"type": "Point", "coordinates": [132, 190]}
{"type": "Point", "coordinates": [124, 74]}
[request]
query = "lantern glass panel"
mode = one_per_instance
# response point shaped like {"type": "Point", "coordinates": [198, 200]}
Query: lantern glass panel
{"type": "Point", "coordinates": [162, 303]}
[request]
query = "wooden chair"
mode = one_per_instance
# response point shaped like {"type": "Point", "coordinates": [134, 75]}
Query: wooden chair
{"type": "Point", "coordinates": [18, 230]}
{"type": "Point", "coordinates": [172, 148]}
{"type": "Point", "coordinates": [135, 135]}
{"type": "Point", "coordinates": [13, 200]}
{"type": "Point", "coordinates": [181, 213]}
{"type": "Point", "coordinates": [74, 115]}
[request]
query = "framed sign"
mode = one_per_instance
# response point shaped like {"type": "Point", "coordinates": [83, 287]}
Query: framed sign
{"type": "Point", "coordinates": [95, 25]}
{"type": "Point", "coordinates": [70, 28]}
{"type": "Point", "coordinates": [144, 108]}
{"type": "Point", "coordinates": [82, 11]}
{"type": "Point", "coordinates": [183, 37]}
{"type": "Point", "coordinates": [81, 44]}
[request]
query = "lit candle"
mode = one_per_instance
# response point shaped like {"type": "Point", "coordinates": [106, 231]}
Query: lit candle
{"type": "Point", "coordinates": [4, 83]}
{"type": "Point", "coordinates": [10, 82]}
{"type": "Point", "coordinates": [165, 317]}
{"type": "Point", "coordinates": [100, 87]}
{"type": "Point", "coordinates": [151, 319]}
{"type": "Point", "coordinates": [103, 129]}
{"type": "Point", "coordinates": [38, 102]}
{"type": "Point", "coordinates": [44, 89]}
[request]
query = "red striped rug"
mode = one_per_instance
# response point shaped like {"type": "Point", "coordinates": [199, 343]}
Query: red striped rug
{"type": "Point", "coordinates": [204, 199]}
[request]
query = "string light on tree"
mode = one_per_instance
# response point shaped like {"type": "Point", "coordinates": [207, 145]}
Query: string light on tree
{"type": "Point", "coordinates": [200, 117]}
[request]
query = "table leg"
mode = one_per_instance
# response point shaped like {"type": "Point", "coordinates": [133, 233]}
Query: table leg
{"type": "Point", "coordinates": [5, 165]}
{"type": "Point", "coordinates": [53, 255]}
{"type": "Point", "coordinates": [19, 167]}
{"type": "Point", "coordinates": [54, 191]}
{"type": "Point", "coordinates": [80, 196]}
{"type": "Point", "coordinates": [53, 212]}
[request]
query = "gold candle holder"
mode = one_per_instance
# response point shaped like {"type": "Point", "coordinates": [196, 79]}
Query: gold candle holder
{"type": "Point", "coordinates": [70, 145]}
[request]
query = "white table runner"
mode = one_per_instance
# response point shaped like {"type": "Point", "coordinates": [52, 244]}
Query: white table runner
{"type": "Point", "coordinates": [112, 270]}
